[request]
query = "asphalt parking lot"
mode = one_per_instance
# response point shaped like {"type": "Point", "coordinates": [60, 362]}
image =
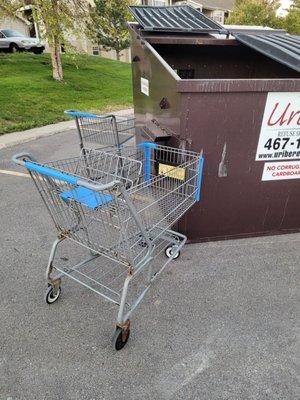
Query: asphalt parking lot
{"type": "Point", "coordinates": [221, 323]}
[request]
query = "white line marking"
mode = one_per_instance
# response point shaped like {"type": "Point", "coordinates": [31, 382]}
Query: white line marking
{"type": "Point", "coordinates": [14, 173]}
{"type": "Point", "coordinates": [22, 175]}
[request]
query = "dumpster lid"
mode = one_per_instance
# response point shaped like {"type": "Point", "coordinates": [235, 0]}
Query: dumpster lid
{"type": "Point", "coordinates": [283, 48]}
{"type": "Point", "coordinates": [184, 19]}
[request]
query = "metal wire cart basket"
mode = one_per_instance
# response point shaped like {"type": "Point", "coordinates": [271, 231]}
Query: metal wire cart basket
{"type": "Point", "coordinates": [103, 130]}
{"type": "Point", "coordinates": [122, 208]}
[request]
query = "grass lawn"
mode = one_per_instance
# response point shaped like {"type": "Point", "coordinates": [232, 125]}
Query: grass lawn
{"type": "Point", "coordinates": [29, 97]}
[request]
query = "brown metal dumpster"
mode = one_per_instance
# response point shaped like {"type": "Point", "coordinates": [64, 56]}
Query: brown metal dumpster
{"type": "Point", "coordinates": [238, 98]}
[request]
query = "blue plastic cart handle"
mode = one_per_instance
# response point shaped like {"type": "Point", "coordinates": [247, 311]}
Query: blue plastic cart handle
{"type": "Point", "coordinates": [147, 147]}
{"type": "Point", "coordinates": [199, 179]}
{"type": "Point", "coordinates": [51, 172]}
{"type": "Point", "coordinates": [81, 114]}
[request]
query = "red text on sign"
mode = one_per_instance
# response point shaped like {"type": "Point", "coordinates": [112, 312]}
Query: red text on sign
{"type": "Point", "coordinates": [284, 116]}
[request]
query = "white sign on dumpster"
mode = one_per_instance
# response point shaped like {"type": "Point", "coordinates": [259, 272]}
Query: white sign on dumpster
{"type": "Point", "coordinates": [276, 171]}
{"type": "Point", "coordinates": [280, 131]}
{"type": "Point", "coordinates": [145, 86]}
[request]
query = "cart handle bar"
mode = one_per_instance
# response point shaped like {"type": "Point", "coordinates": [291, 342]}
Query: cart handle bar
{"type": "Point", "coordinates": [80, 114]}
{"type": "Point", "coordinates": [55, 174]}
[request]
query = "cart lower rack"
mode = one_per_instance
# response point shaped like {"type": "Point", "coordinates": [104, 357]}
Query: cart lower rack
{"type": "Point", "coordinates": [122, 208]}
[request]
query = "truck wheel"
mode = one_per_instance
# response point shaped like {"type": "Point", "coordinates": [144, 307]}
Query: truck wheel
{"type": "Point", "coordinates": [14, 48]}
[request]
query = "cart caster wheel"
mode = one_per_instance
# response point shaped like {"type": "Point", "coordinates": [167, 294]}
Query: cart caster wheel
{"type": "Point", "coordinates": [120, 338]}
{"type": "Point", "coordinates": [52, 294]}
{"type": "Point", "coordinates": [172, 252]}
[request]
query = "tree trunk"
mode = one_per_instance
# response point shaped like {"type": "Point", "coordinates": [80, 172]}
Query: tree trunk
{"type": "Point", "coordinates": [57, 71]}
{"type": "Point", "coordinates": [118, 53]}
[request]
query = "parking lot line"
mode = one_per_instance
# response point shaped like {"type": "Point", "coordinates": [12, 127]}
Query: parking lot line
{"type": "Point", "coordinates": [14, 173]}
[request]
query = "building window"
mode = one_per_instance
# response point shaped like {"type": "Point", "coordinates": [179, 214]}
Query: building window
{"type": "Point", "coordinates": [96, 51]}
{"type": "Point", "coordinates": [218, 16]}
{"type": "Point", "coordinates": [159, 3]}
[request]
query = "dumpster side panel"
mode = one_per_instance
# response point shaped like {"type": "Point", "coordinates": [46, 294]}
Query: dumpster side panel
{"type": "Point", "coordinates": [235, 202]}
{"type": "Point", "coordinates": [162, 102]}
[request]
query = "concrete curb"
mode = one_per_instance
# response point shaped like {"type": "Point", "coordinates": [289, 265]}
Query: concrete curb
{"type": "Point", "coordinates": [12, 139]}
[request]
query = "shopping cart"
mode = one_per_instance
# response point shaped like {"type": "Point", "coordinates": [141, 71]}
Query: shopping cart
{"type": "Point", "coordinates": [122, 209]}
{"type": "Point", "coordinates": [103, 130]}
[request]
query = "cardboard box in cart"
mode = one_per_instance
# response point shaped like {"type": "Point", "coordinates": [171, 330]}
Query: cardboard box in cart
{"type": "Point", "coordinates": [235, 95]}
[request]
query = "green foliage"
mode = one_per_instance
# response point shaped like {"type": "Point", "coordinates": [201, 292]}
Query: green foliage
{"type": "Point", "coordinates": [292, 20]}
{"type": "Point", "coordinates": [60, 18]}
{"type": "Point", "coordinates": [110, 24]}
{"type": "Point", "coordinates": [34, 99]}
{"type": "Point", "coordinates": [255, 12]}
{"type": "Point", "coordinates": [8, 7]}
{"type": "Point", "coordinates": [295, 5]}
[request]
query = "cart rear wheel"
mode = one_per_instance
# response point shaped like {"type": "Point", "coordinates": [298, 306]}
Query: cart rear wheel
{"type": "Point", "coordinates": [172, 252]}
{"type": "Point", "coordinates": [52, 294]}
{"type": "Point", "coordinates": [120, 338]}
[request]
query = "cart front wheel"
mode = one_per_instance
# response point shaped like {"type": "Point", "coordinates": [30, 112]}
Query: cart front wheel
{"type": "Point", "coordinates": [52, 294]}
{"type": "Point", "coordinates": [120, 338]}
{"type": "Point", "coordinates": [172, 252]}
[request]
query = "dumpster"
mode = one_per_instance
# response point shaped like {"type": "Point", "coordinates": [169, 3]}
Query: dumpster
{"type": "Point", "coordinates": [238, 97]}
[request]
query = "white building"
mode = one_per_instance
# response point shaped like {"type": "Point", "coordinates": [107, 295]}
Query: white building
{"type": "Point", "coordinates": [18, 23]}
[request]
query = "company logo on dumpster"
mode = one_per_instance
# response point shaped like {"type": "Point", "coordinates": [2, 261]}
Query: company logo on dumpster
{"type": "Point", "coordinates": [280, 131]}
{"type": "Point", "coordinates": [276, 171]}
{"type": "Point", "coordinates": [284, 117]}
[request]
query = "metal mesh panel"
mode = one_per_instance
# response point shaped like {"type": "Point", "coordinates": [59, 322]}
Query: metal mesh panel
{"type": "Point", "coordinates": [106, 130]}
{"type": "Point", "coordinates": [157, 185]}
